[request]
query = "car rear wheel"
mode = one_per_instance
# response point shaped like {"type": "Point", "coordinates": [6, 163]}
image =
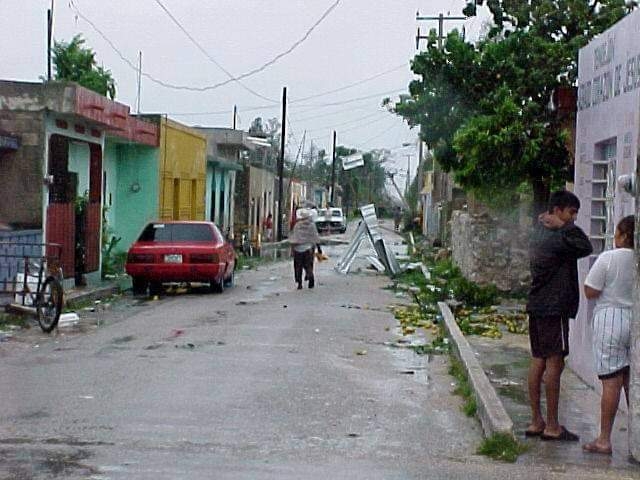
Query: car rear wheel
{"type": "Point", "coordinates": [155, 288]}
{"type": "Point", "coordinates": [217, 285]}
{"type": "Point", "coordinates": [139, 286]}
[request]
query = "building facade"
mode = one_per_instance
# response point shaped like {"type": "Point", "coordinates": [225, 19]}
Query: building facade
{"type": "Point", "coordinates": [131, 184]}
{"type": "Point", "coordinates": [225, 148]}
{"type": "Point", "coordinates": [607, 128]}
{"type": "Point", "coordinates": [55, 175]}
{"type": "Point", "coordinates": [182, 170]}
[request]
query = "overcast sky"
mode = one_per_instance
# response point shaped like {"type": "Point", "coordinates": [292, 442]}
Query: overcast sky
{"type": "Point", "coordinates": [356, 40]}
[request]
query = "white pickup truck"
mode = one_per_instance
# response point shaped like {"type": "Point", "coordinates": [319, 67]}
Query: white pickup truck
{"type": "Point", "coordinates": [331, 220]}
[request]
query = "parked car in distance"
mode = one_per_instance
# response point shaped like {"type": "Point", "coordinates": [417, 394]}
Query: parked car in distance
{"type": "Point", "coordinates": [313, 210]}
{"type": "Point", "coordinates": [331, 220]}
{"type": "Point", "coordinates": [180, 251]}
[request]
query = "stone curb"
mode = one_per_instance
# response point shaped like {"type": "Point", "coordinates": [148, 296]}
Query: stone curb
{"type": "Point", "coordinates": [492, 414]}
{"type": "Point", "coordinates": [72, 297]}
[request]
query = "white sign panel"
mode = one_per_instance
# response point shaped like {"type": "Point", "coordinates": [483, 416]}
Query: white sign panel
{"type": "Point", "coordinates": [352, 161]}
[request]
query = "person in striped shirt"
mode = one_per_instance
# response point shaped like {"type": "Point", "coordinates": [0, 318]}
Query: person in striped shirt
{"type": "Point", "coordinates": [610, 283]}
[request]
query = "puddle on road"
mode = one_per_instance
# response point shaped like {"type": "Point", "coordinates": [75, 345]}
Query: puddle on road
{"type": "Point", "coordinates": [45, 463]}
{"type": "Point", "coordinates": [125, 339]}
{"type": "Point", "coordinates": [109, 349]}
{"type": "Point", "coordinates": [34, 415]}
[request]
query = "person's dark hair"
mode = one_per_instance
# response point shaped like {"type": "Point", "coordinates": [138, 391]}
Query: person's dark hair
{"type": "Point", "coordinates": [626, 228]}
{"type": "Point", "coordinates": [563, 199]}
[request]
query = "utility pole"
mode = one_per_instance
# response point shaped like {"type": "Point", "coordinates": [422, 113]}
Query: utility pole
{"type": "Point", "coordinates": [395, 185]}
{"type": "Point", "coordinates": [441, 18]}
{"type": "Point", "coordinates": [281, 161]}
{"type": "Point", "coordinates": [139, 81]}
{"type": "Point", "coordinates": [333, 168]}
{"type": "Point", "coordinates": [49, 37]}
{"type": "Point", "coordinates": [235, 115]}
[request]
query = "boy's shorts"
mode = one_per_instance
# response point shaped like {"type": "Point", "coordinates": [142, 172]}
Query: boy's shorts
{"type": "Point", "coordinates": [548, 335]}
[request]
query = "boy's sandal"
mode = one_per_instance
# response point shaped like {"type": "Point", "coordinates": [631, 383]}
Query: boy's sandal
{"type": "Point", "coordinates": [593, 447]}
{"type": "Point", "coordinates": [564, 436]}
{"type": "Point", "coordinates": [533, 433]}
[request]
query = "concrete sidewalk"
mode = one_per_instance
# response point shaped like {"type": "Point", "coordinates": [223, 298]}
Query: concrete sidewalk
{"type": "Point", "coordinates": [98, 291]}
{"type": "Point", "coordinates": [505, 361]}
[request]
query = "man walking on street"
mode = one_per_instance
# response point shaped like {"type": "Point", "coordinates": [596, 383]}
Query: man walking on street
{"type": "Point", "coordinates": [556, 245]}
{"type": "Point", "coordinates": [304, 240]}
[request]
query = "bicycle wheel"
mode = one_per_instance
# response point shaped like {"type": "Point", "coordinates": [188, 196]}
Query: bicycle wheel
{"type": "Point", "coordinates": [49, 304]}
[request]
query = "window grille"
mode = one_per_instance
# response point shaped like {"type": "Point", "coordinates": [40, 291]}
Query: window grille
{"type": "Point", "coordinates": [602, 191]}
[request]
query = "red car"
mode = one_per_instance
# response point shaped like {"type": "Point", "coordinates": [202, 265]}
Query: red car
{"type": "Point", "coordinates": [180, 251]}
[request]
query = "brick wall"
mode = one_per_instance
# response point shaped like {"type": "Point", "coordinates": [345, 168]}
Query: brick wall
{"type": "Point", "coordinates": [488, 250]}
{"type": "Point", "coordinates": [21, 170]}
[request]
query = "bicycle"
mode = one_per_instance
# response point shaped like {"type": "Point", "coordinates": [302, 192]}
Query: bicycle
{"type": "Point", "coordinates": [32, 275]}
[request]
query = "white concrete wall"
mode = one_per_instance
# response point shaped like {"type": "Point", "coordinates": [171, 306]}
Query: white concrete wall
{"type": "Point", "coordinates": [608, 95]}
{"type": "Point", "coordinates": [606, 147]}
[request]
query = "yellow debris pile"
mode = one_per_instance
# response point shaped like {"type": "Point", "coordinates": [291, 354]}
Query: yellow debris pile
{"type": "Point", "coordinates": [411, 318]}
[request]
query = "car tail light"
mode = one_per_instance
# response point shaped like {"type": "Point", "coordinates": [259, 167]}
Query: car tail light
{"type": "Point", "coordinates": [204, 258]}
{"type": "Point", "coordinates": [140, 258]}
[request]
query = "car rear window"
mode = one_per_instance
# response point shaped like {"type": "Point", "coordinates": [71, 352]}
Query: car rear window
{"type": "Point", "coordinates": [176, 232]}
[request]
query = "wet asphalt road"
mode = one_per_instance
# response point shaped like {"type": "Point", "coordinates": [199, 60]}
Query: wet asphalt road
{"type": "Point", "coordinates": [260, 382]}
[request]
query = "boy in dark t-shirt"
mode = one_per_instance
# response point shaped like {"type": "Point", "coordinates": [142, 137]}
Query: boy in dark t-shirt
{"type": "Point", "coordinates": [556, 245]}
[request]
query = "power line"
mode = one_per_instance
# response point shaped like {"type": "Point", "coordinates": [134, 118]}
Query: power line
{"type": "Point", "coordinates": [193, 40]}
{"type": "Point", "coordinates": [341, 102]}
{"type": "Point", "coordinates": [292, 47]}
{"type": "Point", "coordinates": [153, 79]}
{"type": "Point", "coordinates": [349, 122]}
{"type": "Point", "coordinates": [267, 107]}
{"type": "Point", "coordinates": [327, 114]}
{"type": "Point", "coordinates": [355, 84]}
{"type": "Point", "coordinates": [355, 127]}
{"type": "Point", "coordinates": [361, 144]}
{"type": "Point", "coordinates": [208, 56]}
{"type": "Point", "coordinates": [220, 112]}
{"type": "Point", "coordinates": [367, 124]}
{"type": "Point", "coordinates": [264, 107]}
{"type": "Point", "coordinates": [182, 114]}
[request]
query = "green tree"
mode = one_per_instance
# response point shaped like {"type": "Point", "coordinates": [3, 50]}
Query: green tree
{"type": "Point", "coordinates": [359, 186]}
{"type": "Point", "coordinates": [484, 108]}
{"type": "Point", "coordinates": [77, 63]}
{"type": "Point", "coordinates": [257, 129]}
{"type": "Point", "coordinates": [271, 132]}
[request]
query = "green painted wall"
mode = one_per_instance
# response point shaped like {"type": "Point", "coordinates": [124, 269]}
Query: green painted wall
{"type": "Point", "coordinates": [135, 195]}
{"type": "Point", "coordinates": [79, 163]}
{"type": "Point", "coordinates": [110, 169]}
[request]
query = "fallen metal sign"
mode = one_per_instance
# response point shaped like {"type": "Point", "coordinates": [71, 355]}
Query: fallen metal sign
{"type": "Point", "coordinates": [368, 229]}
{"type": "Point", "coordinates": [344, 264]}
{"type": "Point", "coordinates": [385, 254]}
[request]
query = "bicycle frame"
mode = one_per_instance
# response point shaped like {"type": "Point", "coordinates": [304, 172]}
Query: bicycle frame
{"type": "Point", "coordinates": [30, 274]}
